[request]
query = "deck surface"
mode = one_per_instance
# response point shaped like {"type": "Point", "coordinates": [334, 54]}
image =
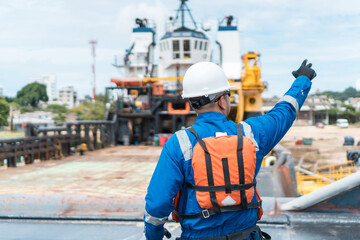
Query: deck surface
{"type": "Point", "coordinates": [110, 182]}
{"type": "Point", "coordinates": [101, 196]}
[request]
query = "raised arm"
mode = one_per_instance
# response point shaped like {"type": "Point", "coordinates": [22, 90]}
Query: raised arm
{"type": "Point", "coordinates": [270, 128]}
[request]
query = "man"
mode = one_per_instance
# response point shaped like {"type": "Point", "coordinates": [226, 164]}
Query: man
{"type": "Point", "coordinates": [231, 209]}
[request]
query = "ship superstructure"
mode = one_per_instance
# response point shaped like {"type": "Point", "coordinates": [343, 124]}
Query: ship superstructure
{"type": "Point", "coordinates": [137, 62]}
{"type": "Point", "coordinates": [181, 46]}
{"type": "Point", "coordinates": [150, 98]}
{"type": "Point", "coordinates": [228, 40]}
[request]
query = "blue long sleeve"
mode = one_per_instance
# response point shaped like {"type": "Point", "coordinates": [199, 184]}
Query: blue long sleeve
{"type": "Point", "coordinates": [173, 169]}
{"type": "Point", "coordinates": [164, 185]}
{"type": "Point", "coordinates": [270, 128]}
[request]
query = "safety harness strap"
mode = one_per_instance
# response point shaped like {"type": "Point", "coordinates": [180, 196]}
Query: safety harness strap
{"type": "Point", "coordinates": [233, 187]}
{"type": "Point", "coordinates": [241, 166]}
{"type": "Point", "coordinates": [209, 171]}
{"type": "Point", "coordinates": [226, 175]}
{"type": "Point", "coordinates": [228, 187]}
{"type": "Point", "coordinates": [209, 212]}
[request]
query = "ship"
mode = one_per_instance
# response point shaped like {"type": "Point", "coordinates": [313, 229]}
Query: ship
{"type": "Point", "coordinates": [147, 98]}
{"type": "Point", "coordinates": [101, 195]}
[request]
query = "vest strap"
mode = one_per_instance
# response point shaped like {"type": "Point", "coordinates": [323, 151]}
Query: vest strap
{"type": "Point", "coordinates": [209, 171]}
{"type": "Point", "coordinates": [233, 187]}
{"type": "Point", "coordinates": [241, 165]}
{"type": "Point", "coordinates": [206, 213]}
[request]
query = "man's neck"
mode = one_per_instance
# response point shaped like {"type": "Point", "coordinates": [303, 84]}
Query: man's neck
{"type": "Point", "coordinates": [210, 110]}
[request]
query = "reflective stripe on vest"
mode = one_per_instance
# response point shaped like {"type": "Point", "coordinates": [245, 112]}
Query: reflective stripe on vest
{"type": "Point", "coordinates": [292, 101]}
{"type": "Point", "coordinates": [185, 144]}
{"type": "Point", "coordinates": [154, 220]}
{"type": "Point", "coordinates": [249, 134]}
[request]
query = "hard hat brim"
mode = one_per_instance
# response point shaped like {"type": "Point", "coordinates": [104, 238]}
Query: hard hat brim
{"type": "Point", "coordinates": [186, 96]}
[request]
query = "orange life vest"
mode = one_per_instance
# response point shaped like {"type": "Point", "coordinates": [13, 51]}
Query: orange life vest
{"type": "Point", "coordinates": [224, 174]}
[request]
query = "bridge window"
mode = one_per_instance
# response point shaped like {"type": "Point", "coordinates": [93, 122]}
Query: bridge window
{"type": "Point", "coordinates": [186, 45]}
{"type": "Point", "coordinates": [195, 44]}
{"type": "Point", "coordinates": [200, 47]}
{"type": "Point", "coordinates": [205, 46]}
{"type": "Point", "coordinates": [176, 49]}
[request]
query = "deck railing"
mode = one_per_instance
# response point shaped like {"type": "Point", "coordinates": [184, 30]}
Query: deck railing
{"type": "Point", "coordinates": [53, 143]}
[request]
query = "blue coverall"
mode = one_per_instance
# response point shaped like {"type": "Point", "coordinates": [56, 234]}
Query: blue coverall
{"type": "Point", "coordinates": [174, 169]}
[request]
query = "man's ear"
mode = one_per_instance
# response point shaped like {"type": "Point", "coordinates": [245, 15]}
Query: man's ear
{"type": "Point", "coordinates": [222, 103]}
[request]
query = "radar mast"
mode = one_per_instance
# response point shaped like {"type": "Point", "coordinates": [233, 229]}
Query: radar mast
{"type": "Point", "coordinates": [181, 11]}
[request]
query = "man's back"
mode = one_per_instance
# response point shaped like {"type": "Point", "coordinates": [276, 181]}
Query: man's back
{"type": "Point", "coordinates": [174, 170]}
{"type": "Point", "coordinates": [211, 124]}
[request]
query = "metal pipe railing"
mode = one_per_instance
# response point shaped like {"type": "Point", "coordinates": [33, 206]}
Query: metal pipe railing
{"type": "Point", "coordinates": [55, 142]}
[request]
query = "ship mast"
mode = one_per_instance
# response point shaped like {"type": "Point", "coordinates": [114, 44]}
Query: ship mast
{"type": "Point", "coordinates": [182, 8]}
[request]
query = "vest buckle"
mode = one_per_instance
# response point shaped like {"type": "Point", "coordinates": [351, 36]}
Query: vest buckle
{"type": "Point", "coordinates": [205, 213]}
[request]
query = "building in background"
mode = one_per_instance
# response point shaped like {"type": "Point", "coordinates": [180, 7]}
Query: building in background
{"type": "Point", "coordinates": [68, 96]}
{"type": "Point", "coordinates": [38, 119]}
{"type": "Point", "coordinates": [355, 102]}
{"type": "Point", "coordinates": [1, 91]}
{"type": "Point", "coordinates": [315, 110]}
{"type": "Point", "coordinates": [49, 80]}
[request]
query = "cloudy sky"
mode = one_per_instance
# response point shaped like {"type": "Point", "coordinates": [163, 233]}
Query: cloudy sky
{"type": "Point", "coordinates": [38, 37]}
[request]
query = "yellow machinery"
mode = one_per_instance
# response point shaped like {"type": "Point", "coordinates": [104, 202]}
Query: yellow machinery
{"type": "Point", "coordinates": [150, 104]}
{"type": "Point", "coordinates": [249, 89]}
{"type": "Point", "coordinates": [248, 100]}
{"type": "Point", "coordinates": [310, 181]}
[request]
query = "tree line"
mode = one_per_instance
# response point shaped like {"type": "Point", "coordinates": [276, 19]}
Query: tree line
{"type": "Point", "coordinates": [28, 99]}
{"type": "Point", "coordinates": [350, 92]}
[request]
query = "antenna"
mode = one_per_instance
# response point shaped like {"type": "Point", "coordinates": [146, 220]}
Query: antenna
{"type": "Point", "coordinates": [93, 43]}
{"type": "Point", "coordinates": [182, 8]}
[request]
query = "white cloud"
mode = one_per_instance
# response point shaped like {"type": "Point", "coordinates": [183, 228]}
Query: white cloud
{"type": "Point", "coordinates": [39, 36]}
{"type": "Point", "coordinates": [157, 12]}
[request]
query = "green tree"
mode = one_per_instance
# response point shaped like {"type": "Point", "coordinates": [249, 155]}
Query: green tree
{"type": "Point", "coordinates": [350, 92]}
{"type": "Point", "coordinates": [90, 111]}
{"type": "Point", "coordinates": [88, 97]}
{"type": "Point", "coordinates": [350, 114]}
{"type": "Point", "coordinates": [334, 114]}
{"type": "Point", "coordinates": [60, 110]}
{"type": "Point", "coordinates": [101, 98]}
{"type": "Point", "coordinates": [4, 111]}
{"type": "Point", "coordinates": [56, 108]}
{"type": "Point", "coordinates": [59, 118]}
{"type": "Point", "coordinates": [9, 99]}
{"type": "Point", "coordinates": [32, 94]}
{"type": "Point", "coordinates": [342, 96]}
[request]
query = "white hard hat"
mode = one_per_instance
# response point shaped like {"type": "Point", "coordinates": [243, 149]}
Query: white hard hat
{"type": "Point", "coordinates": [204, 79]}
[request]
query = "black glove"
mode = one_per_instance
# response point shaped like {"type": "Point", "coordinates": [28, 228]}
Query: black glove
{"type": "Point", "coordinates": [305, 70]}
